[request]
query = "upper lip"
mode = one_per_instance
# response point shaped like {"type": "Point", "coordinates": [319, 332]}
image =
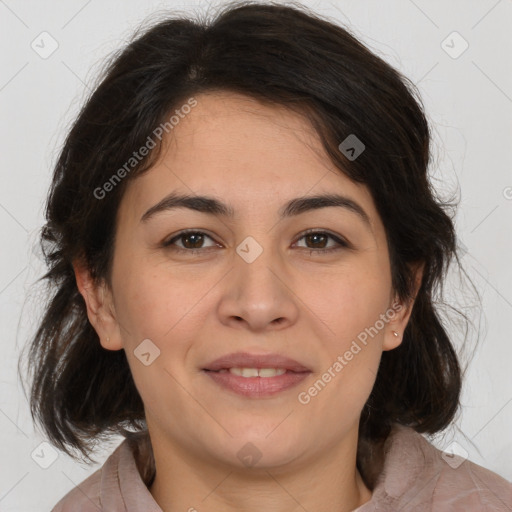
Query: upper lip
{"type": "Point", "coordinates": [246, 360]}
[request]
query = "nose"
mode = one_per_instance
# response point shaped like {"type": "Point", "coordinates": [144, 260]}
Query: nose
{"type": "Point", "coordinates": [258, 294]}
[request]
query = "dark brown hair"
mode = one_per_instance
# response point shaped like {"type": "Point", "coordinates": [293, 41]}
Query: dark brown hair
{"type": "Point", "coordinates": [278, 54]}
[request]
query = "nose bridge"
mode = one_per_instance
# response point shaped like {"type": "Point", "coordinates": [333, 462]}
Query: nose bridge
{"type": "Point", "coordinates": [256, 262]}
{"type": "Point", "coordinates": [257, 290]}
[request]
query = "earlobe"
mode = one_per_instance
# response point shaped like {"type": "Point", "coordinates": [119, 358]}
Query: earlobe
{"type": "Point", "coordinates": [393, 336]}
{"type": "Point", "coordinates": [392, 339]}
{"type": "Point", "coordinates": [395, 341]}
{"type": "Point", "coordinates": [97, 301]}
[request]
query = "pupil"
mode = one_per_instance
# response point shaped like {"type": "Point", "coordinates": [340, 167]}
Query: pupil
{"type": "Point", "coordinates": [197, 244]}
{"type": "Point", "coordinates": [316, 235]}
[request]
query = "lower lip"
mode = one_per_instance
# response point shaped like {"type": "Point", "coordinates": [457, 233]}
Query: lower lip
{"type": "Point", "coordinates": [255, 387]}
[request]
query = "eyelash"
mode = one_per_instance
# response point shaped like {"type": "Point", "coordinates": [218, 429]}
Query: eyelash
{"type": "Point", "coordinates": [342, 244]}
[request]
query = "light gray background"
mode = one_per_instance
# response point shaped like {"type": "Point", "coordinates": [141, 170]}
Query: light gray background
{"type": "Point", "coordinates": [468, 99]}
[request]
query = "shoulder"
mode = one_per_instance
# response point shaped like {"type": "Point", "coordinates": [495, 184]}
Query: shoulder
{"type": "Point", "coordinates": [419, 476]}
{"type": "Point", "coordinates": [88, 496]}
{"type": "Point", "coordinates": [84, 497]}
{"type": "Point", "coordinates": [470, 485]}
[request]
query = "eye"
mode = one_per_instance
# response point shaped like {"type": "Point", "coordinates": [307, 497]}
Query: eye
{"type": "Point", "coordinates": [317, 238]}
{"type": "Point", "coordinates": [192, 241]}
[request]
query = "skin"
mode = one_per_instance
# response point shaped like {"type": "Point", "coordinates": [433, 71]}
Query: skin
{"type": "Point", "coordinates": [195, 308]}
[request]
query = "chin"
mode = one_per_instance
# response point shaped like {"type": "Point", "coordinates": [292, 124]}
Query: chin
{"type": "Point", "coordinates": [264, 446]}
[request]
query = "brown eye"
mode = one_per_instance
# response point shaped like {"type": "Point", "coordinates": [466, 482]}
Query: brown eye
{"type": "Point", "coordinates": [317, 241]}
{"type": "Point", "coordinates": [190, 241]}
{"type": "Point", "coordinates": [193, 242]}
{"type": "Point", "coordinates": [317, 238]}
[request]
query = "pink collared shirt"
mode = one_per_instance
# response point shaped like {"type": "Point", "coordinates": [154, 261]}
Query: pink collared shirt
{"type": "Point", "coordinates": [415, 477]}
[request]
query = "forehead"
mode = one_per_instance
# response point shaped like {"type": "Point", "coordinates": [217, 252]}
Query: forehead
{"type": "Point", "coordinates": [252, 154]}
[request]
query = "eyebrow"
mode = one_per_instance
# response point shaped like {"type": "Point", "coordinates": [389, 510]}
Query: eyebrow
{"type": "Point", "coordinates": [213, 206]}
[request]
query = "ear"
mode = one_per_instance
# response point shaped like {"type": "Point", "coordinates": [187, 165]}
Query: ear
{"type": "Point", "coordinates": [100, 307]}
{"type": "Point", "coordinates": [402, 312]}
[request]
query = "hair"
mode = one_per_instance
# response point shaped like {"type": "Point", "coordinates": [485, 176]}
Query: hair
{"type": "Point", "coordinates": [282, 55]}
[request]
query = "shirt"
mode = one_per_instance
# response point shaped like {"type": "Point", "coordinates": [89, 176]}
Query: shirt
{"type": "Point", "coordinates": [415, 476]}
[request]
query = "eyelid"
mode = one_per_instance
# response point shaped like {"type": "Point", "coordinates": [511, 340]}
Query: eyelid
{"type": "Point", "coordinates": [337, 238]}
{"type": "Point", "coordinates": [168, 242]}
{"type": "Point", "coordinates": [342, 243]}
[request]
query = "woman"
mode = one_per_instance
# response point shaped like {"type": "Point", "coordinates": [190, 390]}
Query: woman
{"type": "Point", "coordinates": [245, 247]}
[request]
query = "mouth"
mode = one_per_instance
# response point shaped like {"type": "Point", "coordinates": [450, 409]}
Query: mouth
{"type": "Point", "coordinates": [239, 361]}
{"type": "Point", "coordinates": [255, 382]}
{"type": "Point", "coordinates": [256, 375]}
{"type": "Point", "coordinates": [255, 372]}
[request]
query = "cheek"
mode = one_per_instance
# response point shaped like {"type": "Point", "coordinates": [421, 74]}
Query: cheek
{"type": "Point", "coordinates": [169, 308]}
{"type": "Point", "coordinates": [350, 302]}
{"type": "Point", "coordinates": [164, 308]}
{"type": "Point", "coordinates": [351, 314]}
{"type": "Point", "coordinates": [152, 297]}
{"type": "Point", "coordinates": [351, 309]}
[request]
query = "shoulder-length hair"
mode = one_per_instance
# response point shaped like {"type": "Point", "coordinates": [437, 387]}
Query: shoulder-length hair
{"type": "Point", "coordinates": [282, 55]}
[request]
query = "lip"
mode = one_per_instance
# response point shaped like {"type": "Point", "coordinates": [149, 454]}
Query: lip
{"type": "Point", "coordinates": [256, 387]}
{"type": "Point", "coordinates": [247, 360]}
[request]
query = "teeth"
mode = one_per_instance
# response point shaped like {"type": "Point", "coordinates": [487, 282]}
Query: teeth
{"type": "Point", "coordinates": [255, 372]}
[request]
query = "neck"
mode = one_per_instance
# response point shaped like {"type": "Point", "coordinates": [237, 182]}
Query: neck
{"type": "Point", "coordinates": [329, 481]}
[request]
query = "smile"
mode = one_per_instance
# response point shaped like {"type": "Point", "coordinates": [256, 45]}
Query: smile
{"type": "Point", "coordinates": [256, 382]}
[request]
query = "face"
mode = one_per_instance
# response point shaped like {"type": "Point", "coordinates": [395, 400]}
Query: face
{"type": "Point", "coordinates": [253, 281]}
